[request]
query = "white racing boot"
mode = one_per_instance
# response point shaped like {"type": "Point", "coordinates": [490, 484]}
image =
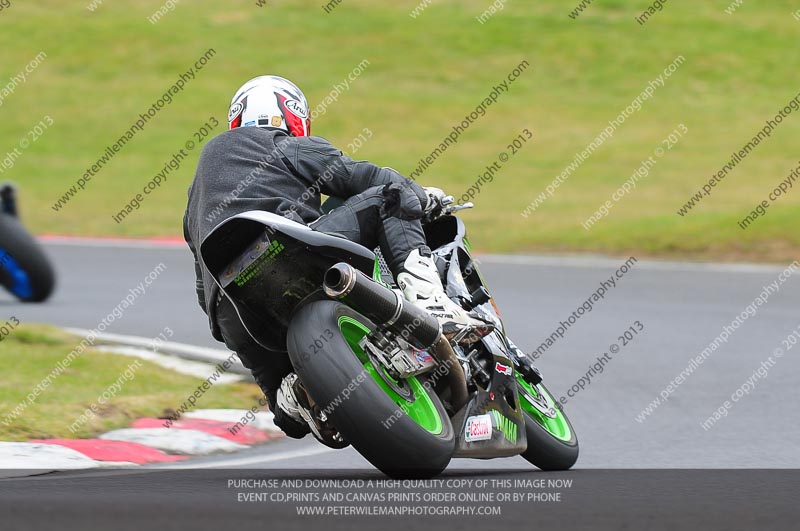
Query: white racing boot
{"type": "Point", "coordinates": [420, 283]}
{"type": "Point", "coordinates": [287, 399]}
{"type": "Point", "coordinates": [293, 400]}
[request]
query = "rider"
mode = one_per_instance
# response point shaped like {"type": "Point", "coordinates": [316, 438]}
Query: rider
{"type": "Point", "coordinates": [267, 161]}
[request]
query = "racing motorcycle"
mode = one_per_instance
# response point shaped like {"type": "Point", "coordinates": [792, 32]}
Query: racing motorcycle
{"type": "Point", "coordinates": [25, 270]}
{"type": "Point", "coordinates": [378, 373]}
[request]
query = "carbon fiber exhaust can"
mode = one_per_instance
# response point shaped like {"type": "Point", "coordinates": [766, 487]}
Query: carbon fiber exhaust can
{"type": "Point", "coordinates": [381, 305]}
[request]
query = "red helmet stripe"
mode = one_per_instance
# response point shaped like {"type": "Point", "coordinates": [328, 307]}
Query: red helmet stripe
{"type": "Point", "coordinates": [293, 122]}
{"type": "Point", "coordinates": [237, 120]}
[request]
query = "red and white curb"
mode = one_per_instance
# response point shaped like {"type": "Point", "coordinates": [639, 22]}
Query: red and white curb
{"type": "Point", "coordinates": [201, 432]}
{"type": "Point", "coordinates": [150, 440]}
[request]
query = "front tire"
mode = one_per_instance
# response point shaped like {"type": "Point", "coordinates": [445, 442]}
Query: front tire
{"type": "Point", "coordinates": [403, 434]}
{"type": "Point", "coordinates": [552, 443]}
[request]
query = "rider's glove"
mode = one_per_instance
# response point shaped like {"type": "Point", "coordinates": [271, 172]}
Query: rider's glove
{"type": "Point", "coordinates": [436, 199]}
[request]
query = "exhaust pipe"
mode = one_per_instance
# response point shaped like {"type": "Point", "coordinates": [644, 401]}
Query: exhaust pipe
{"type": "Point", "coordinates": [381, 305]}
{"type": "Point", "coordinates": [457, 380]}
{"type": "Point", "coordinates": [386, 307]}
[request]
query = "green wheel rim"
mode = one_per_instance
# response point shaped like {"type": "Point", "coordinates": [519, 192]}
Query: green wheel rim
{"type": "Point", "coordinates": [421, 410]}
{"type": "Point", "coordinates": [558, 427]}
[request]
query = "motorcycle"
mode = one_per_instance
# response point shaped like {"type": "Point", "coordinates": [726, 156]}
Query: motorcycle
{"type": "Point", "coordinates": [25, 270]}
{"type": "Point", "coordinates": [376, 368]}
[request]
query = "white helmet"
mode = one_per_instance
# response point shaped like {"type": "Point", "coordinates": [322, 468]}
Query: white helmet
{"type": "Point", "coordinates": [271, 102]}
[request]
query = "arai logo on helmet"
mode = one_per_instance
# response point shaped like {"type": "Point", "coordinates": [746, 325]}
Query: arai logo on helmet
{"type": "Point", "coordinates": [235, 110]}
{"type": "Point", "coordinates": [297, 108]}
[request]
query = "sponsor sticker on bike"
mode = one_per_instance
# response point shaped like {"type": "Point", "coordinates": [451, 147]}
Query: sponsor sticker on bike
{"type": "Point", "coordinates": [478, 428]}
{"type": "Point", "coordinates": [423, 356]}
{"type": "Point", "coordinates": [503, 369]}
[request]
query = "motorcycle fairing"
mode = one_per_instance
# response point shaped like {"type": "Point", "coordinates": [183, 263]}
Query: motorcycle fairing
{"type": "Point", "coordinates": [256, 256]}
{"type": "Point", "coordinates": [500, 400]}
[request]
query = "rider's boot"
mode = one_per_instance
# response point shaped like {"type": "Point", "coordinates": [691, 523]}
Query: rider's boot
{"type": "Point", "coordinates": [286, 417]}
{"type": "Point", "coordinates": [294, 402]}
{"type": "Point", "coordinates": [420, 282]}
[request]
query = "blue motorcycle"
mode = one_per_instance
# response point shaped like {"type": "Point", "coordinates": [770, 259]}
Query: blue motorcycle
{"type": "Point", "coordinates": [24, 268]}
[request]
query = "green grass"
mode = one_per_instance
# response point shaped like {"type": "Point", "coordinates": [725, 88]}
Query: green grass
{"type": "Point", "coordinates": [425, 74]}
{"type": "Point", "coordinates": [30, 353]}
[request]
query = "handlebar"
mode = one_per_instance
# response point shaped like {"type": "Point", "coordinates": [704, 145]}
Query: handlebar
{"type": "Point", "coordinates": [447, 208]}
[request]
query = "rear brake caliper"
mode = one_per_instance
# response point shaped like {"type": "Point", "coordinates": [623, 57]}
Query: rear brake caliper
{"type": "Point", "coordinates": [399, 358]}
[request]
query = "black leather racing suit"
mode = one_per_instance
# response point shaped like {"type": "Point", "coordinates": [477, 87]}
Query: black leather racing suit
{"type": "Point", "coordinates": [249, 168]}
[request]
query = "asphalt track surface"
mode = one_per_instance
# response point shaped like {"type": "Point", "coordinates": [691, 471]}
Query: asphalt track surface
{"type": "Point", "coordinates": [682, 308]}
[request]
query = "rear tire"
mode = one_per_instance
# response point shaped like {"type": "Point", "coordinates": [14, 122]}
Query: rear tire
{"type": "Point", "coordinates": [24, 268]}
{"type": "Point", "coordinates": [328, 364]}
